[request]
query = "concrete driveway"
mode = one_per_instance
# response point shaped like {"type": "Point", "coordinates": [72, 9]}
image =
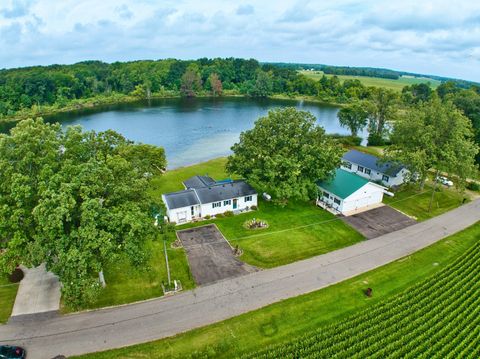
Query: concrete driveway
{"type": "Point", "coordinates": [210, 256]}
{"type": "Point", "coordinates": [379, 221]}
{"type": "Point", "coordinates": [39, 292]}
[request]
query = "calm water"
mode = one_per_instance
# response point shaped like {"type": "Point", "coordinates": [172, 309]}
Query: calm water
{"type": "Point", "coordinates": [190, 130]}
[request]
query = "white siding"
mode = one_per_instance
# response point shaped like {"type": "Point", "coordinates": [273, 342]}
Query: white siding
{"type": "Point", "coordinates": [207, 208]}
{"type": "Point", "coordinates": [368, 195]}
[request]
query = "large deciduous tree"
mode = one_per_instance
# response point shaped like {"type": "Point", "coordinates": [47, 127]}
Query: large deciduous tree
{"type": "Point", "coordinates": [191, 82]}
{"type": "Point", "coordinates": [434, 135]}
{"type": "Point", "coordinates": [354, 116]}
{"type": "Point", "coordinates": [382, 109]}
{"type": "Point", "coordinates": [74, 200]}
{"type": "Point", "coordinates": [284, 154]}
{"type": "Point", "coordinates": [215, 84]}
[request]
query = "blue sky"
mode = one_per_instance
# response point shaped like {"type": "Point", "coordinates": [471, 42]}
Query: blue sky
{"type": "Point", "coordinates": [434, 37]}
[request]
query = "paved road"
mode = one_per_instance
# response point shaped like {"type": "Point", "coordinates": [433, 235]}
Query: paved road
{"type": "Point", "coordinates": [159, 318]}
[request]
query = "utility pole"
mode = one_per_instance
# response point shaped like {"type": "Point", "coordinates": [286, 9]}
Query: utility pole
{"type": "Point", "coordinates": [433, 192]}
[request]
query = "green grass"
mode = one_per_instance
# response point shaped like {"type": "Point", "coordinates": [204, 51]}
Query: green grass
{"type": "Point", "coordinates": [371, 150]}
{"type": "Point", "coordinates": [286, 319]}
{"type": "Point", "coordinates": [126, 284]}
{"type": "Point", "coordinates": [415, 203]}
{"type": "Point", "coordinates": [8, 292]}
{"type": "Point", "coordinates": [298, 231]}
{"type": "Point", "coordinates": [392, 84]}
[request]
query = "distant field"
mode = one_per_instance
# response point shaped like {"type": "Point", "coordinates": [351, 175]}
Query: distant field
{"type": "Point", "coordinates": [396, 85]}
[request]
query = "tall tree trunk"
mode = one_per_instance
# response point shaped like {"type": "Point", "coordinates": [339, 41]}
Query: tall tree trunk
{"type": "Point", "coordinates": [101, 278]}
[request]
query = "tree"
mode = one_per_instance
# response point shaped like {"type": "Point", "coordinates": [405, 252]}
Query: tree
{"type": "Point", "coordinates": [73, 200]}
{"type": "Point", "coordinates": [284, 154]}
{"type": "Point", "coordinates": [434, 135]}
{"type": "Point", "coordinates": [382, 109]}
{"type": "Point", "coordinates": [416, 93]}
{"type": "Point", "coordinates": [191, 82]}
{"type": "Point", "coordinates": [215, 84]}
{"type": "Point", "coordinates": [354, 116]}
{"type": "Point", "coordinates": [263, 85]}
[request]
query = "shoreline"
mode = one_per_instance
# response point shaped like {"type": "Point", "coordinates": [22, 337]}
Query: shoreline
{"type": "Point", "coordinates": [118, 99]}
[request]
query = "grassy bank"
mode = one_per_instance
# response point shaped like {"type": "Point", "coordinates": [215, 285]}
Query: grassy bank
{"type": "Point", "coordinates": [283, 320]}
{"type": "Point", "coordinates": [8, 292]}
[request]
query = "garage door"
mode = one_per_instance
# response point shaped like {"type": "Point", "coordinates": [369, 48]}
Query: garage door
{"type": "Point", "coordinates": [362, 202]}
{"type": "Point", "coordinates": [182, 216]}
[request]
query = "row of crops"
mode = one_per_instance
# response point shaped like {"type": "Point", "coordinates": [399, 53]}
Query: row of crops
{"type": "Point", "coordinates": [436, 318]}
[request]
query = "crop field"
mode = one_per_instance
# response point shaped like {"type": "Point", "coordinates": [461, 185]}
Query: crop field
{"type": "Point", "coordinates": [392, 84]}
{"type": "Point", "coordinates": [437, 318]}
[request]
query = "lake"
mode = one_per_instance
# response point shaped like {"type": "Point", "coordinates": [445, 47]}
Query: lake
{"type": "Point", "coordinates": [190, 130]}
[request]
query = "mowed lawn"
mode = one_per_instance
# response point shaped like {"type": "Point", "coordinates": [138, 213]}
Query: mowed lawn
{"type": "Point", "coordinates": [298, 231]}
{"type": "Point", "coordinates": [126, 284]}
{"type": "Point", "coordinates": [287, 319]}
{"type": "Point", "coordinates": [8, 292]}
{"type": "Point", "coordinates": [415, 203]}
{"type": "Point", "coordinates": [391, 84]}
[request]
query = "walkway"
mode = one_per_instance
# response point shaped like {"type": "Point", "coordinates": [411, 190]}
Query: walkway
{"type": "Point", "coordinates": [159, 318]}
{"type": "Point", "coordinates": [39, 292]}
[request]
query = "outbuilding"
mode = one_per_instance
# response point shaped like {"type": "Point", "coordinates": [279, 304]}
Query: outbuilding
{"type": "Point", "coordinates": [348, 193]}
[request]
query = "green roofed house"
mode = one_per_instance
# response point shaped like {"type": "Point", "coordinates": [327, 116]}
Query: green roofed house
{"type": "Point", "coordinates": [348, 193]}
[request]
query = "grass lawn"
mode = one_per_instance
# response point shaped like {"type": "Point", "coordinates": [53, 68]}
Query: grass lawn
{"type": "Point", "coordinates": [413, 202]}
{"type": "Point", "coordinates": [371, 150]}
{"type": "Point", "coordinates": [8, 292]}
{"type": "Point", "coordinates": [293, 317]}
{"type": "Point", "coordinates": [298, 231]}
{"type": "Point", "coordinates": [126, 284]}
{"type": "Point", "coordinates": [392, 84]}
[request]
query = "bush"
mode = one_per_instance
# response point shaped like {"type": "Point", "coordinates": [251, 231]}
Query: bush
{"type": "Point", "coordinates": [220, 215]}
{"type": "Point", "coordinates": [228, 214]}
{"type": "Point", "coordinates": [473, 186]}
{"type": "Point", "coordinates": [254, 208]}
{"type": "Point", "coordinates": [208, 216]}
{"type": "Point", "coordinates": [347, 140]}
{"type": "Point", "coordinates": [376, 140]}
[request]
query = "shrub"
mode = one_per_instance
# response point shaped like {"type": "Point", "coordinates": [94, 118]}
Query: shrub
{"type": "Point", "coordinates": [253, 208]}
{"type": "Point", "coordinates": [375, 140]}
{"type": "Point", "coordinates": [220, 215]}
{"type": "Point", "coordinates": [208, 216]}
{"type": "Point", "coordinates": [473, 186]}
{"type": "Point", "coordinates": [228, 214]}
{"type": "Point", "coordinates": [347, 140]}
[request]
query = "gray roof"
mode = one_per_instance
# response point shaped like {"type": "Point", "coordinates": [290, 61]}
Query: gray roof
{"type": "Point", "coordinates": [198, 181]}
{"type": "Point", "coordinates": [373, 162]}
{"type": "Point", "coordinates": [223, 191]}
{"type": "Point", "coordinates": [181, 199]}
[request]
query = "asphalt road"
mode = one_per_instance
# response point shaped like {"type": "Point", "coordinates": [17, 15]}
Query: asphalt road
{"type": "Point", "coordinates": [159, 318]}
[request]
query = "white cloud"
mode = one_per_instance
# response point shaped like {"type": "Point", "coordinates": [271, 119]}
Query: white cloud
{"type": "Point", "coordinates": [439, 37]}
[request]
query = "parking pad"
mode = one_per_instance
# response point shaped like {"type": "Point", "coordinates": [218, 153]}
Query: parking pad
{"type": "Point", "coordinates": [210, 256]}
{"type": "Point", "coordinates": [379, 221]}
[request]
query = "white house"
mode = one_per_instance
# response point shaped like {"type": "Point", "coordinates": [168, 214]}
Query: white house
{"type": "Point", "coordinates": [369, 166]}
{"type": "Point", "coordinates": [204, 196]}
{"type": "Point", "coordinates": [348, 192]}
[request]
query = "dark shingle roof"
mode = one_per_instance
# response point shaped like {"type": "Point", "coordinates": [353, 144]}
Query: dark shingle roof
{"type": "Point", "coordinates": [198, 181]}
{"type": "Point", "coordinates": [373, 162]}
{"type": "Point", "coordinates": [220, 192]}
{"type": "Point", "coordinates": [181, 199]}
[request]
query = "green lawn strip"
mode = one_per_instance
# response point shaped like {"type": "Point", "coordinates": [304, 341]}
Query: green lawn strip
{"type": "Point", "coordinates": [289, 318]}
{"type": "Point", "coordinates": [371, 150]}
{"type": "Point", "coordinates": [413, 202]}
{"type": "Point", "coordinates": [8, 292]}
{"type": "Point", "coordinates": [126, 284]}
{"type": "Point", "coordinates": [297, 231]}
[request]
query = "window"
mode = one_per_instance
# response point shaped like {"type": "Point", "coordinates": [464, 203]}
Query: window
{"type": "Point", "coordinates": [216, 204]}
{"type": "Point", "coordinates": [360, 169]}
{"type": "Point", "coordinates": [347, 165]}
{"type": "Point", "coordinates": [227, 203]}
{"type": "Point", "coordinates": [192, 210]}
{"type": "Point", "coordinates": [326, 195]}
{"type": "Point", "coordinates": [367, 171]}
{"type": "Point", "coordinates": [336, 200]}
{"type": "Point", "coordinates": [385, 178]}
{"type": "Point", "coordinates": [248, 198]}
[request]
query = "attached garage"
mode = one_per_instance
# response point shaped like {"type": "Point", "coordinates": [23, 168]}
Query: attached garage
{"type": "Point", "coordinates": [348, 193]}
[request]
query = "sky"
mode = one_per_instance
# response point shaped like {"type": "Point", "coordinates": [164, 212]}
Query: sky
{"type": "Point", "coordinates": [423, 36]}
